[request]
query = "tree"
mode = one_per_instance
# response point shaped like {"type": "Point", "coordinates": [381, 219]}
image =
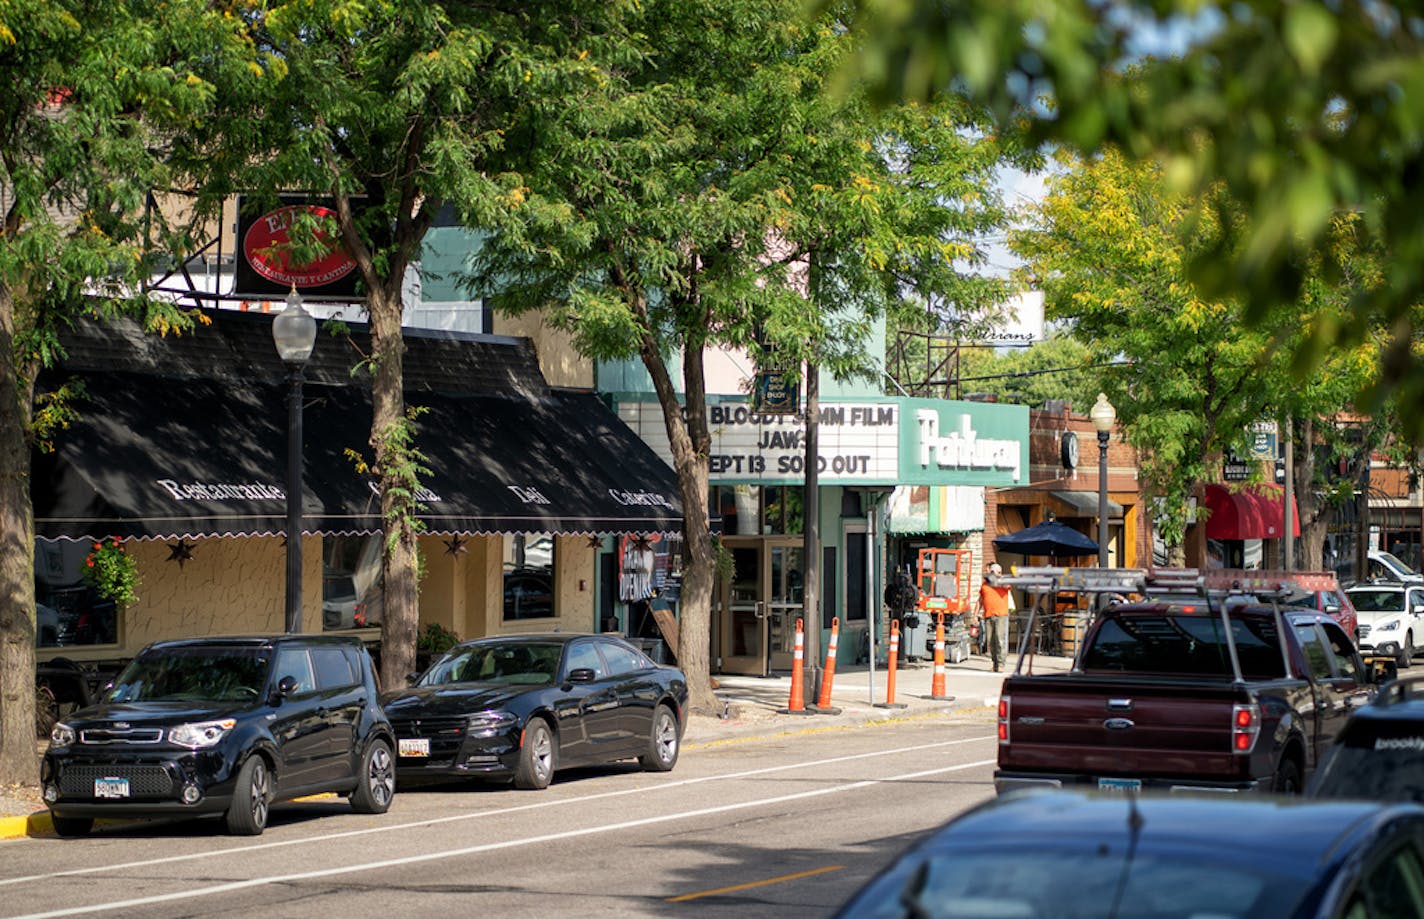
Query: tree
{"type": "Point", "coordinates": [1110, 247]}
{"type": "Point", "coordinates": [708, 193]}
{"type": "Point", "coordinates": [392, 109]}
{"type": "Point", "coordinates": [93, 98]}
{"type": "Point", "coordinates": [1300, 112]}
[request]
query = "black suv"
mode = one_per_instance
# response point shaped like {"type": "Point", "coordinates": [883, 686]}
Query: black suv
{"type": "Point", "coordinates": [224, 726]}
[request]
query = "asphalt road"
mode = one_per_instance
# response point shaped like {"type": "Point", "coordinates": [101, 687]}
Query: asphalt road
{"type": "Point", "coordinates": [742, 828]}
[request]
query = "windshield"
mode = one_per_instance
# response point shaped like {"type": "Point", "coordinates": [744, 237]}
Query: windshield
{"type": "Point", "coordinates": [527, 663]}
{"type": "Point", "coordinates": [1074, 885]}
{"type": "Point", "coordinates": [1374, 767]}
{"type": "Point", "coordinates": [200, 674]}
{"type": "Point", "coordinates": [1392, 561]}
{"type": "Point", "coordinates": [1377, 601]}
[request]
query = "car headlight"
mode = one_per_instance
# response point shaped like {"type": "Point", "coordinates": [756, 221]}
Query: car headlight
{"type": "Point", "coordinates": [489, 722]}
{"type": "Point", "coordinates": [201, 733]}
{"type": "Point", "coordinates": [61, 735]}
{"type": "Point", "coordinates": [1390, 626]}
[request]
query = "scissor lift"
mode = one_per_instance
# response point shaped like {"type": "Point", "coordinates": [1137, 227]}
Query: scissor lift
{"type": "Point", "coordinates": [943, 582]}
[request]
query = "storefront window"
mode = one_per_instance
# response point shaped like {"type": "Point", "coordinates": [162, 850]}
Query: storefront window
{"type": "Point", "coordinates": [529, 576]}
{"type": "Point", "coordinates": [67, 611]}
{"type": "Point", "coordinates": [351, 586]}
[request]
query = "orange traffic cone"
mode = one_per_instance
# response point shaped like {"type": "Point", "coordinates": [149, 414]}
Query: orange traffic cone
{"type": "Point", "coordinates": [823, 701]}
{"type": "Point", "coordinates": [796, 705]}
{"type": "Point", "coordinates": [892, 661]}
{"type": "Point", "coordinates": [937, 684]}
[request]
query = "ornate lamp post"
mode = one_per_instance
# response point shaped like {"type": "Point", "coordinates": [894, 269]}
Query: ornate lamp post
{"type": "Point", "coordinates": [1103, 415]}
{"type": "Point", "coordinates": [294, 332]}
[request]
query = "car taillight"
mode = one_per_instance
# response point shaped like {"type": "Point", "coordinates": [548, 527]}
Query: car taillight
{"type": "Point", "coordinates": [1003, 719]}
{"type": "Point", "coordinates": [1245, 727]}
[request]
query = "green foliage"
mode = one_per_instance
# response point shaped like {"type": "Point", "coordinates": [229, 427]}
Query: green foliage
{"type": "Point", "coordinates": [705, 187]}
{"type": "Point", "coordinates": [112, 572]}
{"type": "Point", "coordinates": [1275, 118]}
{"type": "Point", "coordinates": [1058, 368]}
{"type": "Point", "coordinates": [434, 638]}
{"type": "Point", "coordinates": [1110, 245]}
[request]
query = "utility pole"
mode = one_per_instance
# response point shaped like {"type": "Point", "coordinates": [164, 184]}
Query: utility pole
{"type": "Point", "coordinates": [811, 531]}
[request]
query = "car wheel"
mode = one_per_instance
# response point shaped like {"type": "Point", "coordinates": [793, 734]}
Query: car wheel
{"type": "Point", "coordinates": [377, 780]}
{"type": "Point", "coordinates": [1406, 656]}
{"type": "Point", "coordinates": [248, 814]}
{"type": "Point", "coordinates": [662, 742]}
{"type": "Point", "coordinates": [1287, 778]}
{"type": "Point", "coordinates": [70, 827]}
{"type": "Point", "coordinates": [536, 757]}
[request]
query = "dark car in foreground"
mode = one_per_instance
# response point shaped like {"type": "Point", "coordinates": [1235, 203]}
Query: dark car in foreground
{"type": "Point", "coordinates": [1089, 855]}
{"type": "Point", "coordinates": [224, 726]}
{"type": "Point", "coordinates": [521, 707]}
{"type": "Point", "coordinates": [1379, 754]}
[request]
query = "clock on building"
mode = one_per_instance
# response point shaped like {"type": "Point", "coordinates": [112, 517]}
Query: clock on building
{"type": "Point", "coordinates": [1069, 450]}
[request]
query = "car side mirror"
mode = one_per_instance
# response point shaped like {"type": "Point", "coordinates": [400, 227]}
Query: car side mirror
{"type": "Point", "coordinates": [285, 687]}
{"type": "Point", "coordinates": [1418, 608]}
{"type": "Point", "coordinates": [411, 677]}
{"type": "Point", "coordinates": [1331, 609]}
{"type": "Point", "coordinates": [580, 675]}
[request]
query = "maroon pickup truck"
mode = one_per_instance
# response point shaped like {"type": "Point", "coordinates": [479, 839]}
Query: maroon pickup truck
{"type": "Point", "coordinates": [1185, 693]}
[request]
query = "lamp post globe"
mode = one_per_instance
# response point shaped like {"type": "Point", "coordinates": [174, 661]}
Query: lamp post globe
{"type": "Point", "coordinates": [294, 331]}
{"type": "Point", "coordinates": [294, 334]}
{"type": "Point", "coordinates": [1104, 416]}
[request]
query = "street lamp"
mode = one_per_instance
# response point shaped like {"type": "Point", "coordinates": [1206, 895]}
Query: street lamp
{"type": "Point", "coordinates": [1103, 415]}
{"type": "Point", "coordinates": [294, 332]}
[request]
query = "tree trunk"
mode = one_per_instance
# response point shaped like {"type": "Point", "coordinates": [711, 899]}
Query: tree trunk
{"type": "Point", "coordinates": [400, 612]}
{"type": "Point", "coordinates": [1314, 525]}
{"type": "Point", "coordinates": [18, 763]}
{"type": "Point", "coordinates": [689, 439]}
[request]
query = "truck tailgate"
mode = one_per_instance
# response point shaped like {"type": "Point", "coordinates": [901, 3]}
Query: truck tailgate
{"type": "Point", "coordinates": [1120, 726]}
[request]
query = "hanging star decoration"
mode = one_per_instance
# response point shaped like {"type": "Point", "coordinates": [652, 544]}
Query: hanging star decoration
{"type": "Point", "coordinates": [642, 541]}
{"type": "Point", "coordinates": [595, 542]}
{"type": "Point", "coordinates": [183, 552]}
{"type": "Point", "coordinates": [456, 546]}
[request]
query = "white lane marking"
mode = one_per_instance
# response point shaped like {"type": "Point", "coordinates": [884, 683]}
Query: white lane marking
{"type": "Point", "coordinates": [432, 821]}
{"type": "Point", "coordinates": [492, 846]}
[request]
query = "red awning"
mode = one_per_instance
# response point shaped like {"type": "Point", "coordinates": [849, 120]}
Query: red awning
{"type": "Point", "coordinates": [1253, 512]}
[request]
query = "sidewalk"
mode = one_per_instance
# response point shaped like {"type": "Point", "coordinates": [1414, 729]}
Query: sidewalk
{"type": "Point", "coordinates": [753, 705]}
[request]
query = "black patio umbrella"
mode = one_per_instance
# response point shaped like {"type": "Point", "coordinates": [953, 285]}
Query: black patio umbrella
{"type": "Point", "coordinates": [1047, 538]}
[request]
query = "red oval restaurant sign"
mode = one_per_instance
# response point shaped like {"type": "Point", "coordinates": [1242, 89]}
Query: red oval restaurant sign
{"type": "Point", "coordinates": [269, 233]}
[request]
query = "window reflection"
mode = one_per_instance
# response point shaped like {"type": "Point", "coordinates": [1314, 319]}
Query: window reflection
{"type": "Point", "coordinates": [67, 611]}
{"type": "Point", "coordinates": [351, 585]}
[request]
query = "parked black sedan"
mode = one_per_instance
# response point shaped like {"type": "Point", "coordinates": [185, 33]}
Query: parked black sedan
{"type": "Point", "coordinates": [1086, 855]}
{"type": "Point", "coordinates": [523, 706]}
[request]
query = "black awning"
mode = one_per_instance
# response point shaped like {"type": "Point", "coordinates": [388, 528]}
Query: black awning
{"type": "Point", "coordinates": [157, 457]}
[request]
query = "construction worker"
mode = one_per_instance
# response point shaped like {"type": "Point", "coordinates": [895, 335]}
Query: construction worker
{"type": "Point", "coordinates": [993, 611]}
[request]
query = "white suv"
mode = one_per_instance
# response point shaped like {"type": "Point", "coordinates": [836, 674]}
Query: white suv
{"type": "Point", "coordinates": [1391, 619]}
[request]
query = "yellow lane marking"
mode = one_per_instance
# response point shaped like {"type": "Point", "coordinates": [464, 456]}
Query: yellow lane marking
{"type": "Point", "coordinates": [785, 877]}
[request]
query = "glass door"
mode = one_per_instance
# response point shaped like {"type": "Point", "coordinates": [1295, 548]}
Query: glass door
{"type": "Point", "coordinates": [740, 611]}
{"type": "Point", "coordinates": [785, 597]}
{"type": "Point", "coordinates": [755, 611]}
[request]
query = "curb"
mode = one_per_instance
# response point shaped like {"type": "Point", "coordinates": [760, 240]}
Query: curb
{"type": "Point", "coordinates": [40, 824]}
{"type": "Point", "coordinates": [37, 823]}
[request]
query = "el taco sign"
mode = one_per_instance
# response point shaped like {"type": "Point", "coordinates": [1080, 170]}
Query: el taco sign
{"type": "Point", "coordinates": [265, 269]}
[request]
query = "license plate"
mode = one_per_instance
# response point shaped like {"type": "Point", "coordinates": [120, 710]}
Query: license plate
{"type": "Point", "coordinates": [1119, 786]}
{"type": "Point", "coordinates": [111, 788]}
{"type": "Point", "coordinates": [413, 746]}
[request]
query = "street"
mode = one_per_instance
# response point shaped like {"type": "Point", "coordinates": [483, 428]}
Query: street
{"type": "Point", "coordinates": [742, 827]}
